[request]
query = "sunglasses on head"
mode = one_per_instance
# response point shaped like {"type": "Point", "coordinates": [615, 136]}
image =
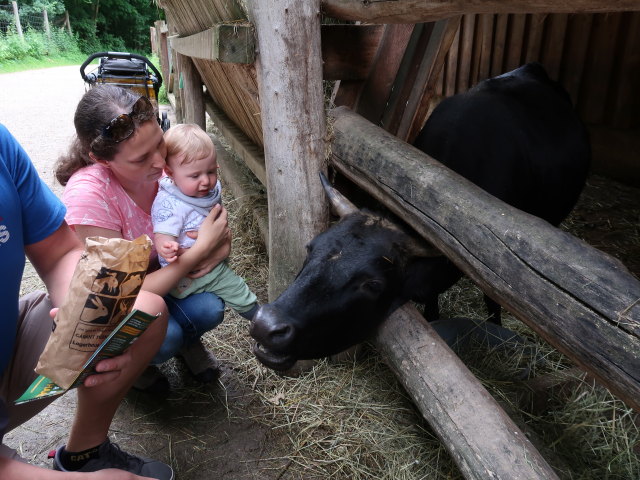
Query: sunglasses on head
{"type": "Point", "coordinates": [122, 127]}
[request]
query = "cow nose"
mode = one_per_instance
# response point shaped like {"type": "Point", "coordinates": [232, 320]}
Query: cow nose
{"type": "Point", "coordinates": [271, 328]}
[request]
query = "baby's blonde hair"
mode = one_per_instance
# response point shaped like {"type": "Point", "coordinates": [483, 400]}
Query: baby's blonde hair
{"type": "Point", "coordinates": [189, 141]}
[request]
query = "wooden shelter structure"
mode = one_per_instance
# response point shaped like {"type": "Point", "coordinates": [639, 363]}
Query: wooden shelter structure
{"type": "Point", "coordinates": [386, 64]}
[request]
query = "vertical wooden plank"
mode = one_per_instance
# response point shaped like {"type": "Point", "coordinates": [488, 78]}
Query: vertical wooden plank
{"type": "Point", "coordinates": [500, 39]}
{"type": "Point", "coordinates": [439, 90]}
{"type": "Point", "coordinates": [417, 89]}
{"type": "Point", "coordinates": [553, 44]}
{"type": "Point", "coordinates": [289, 67]}
{"type": "Point", "coordinates": [191, 92]}
{"type": "Point", "coordinates": [486, 24]}
{"type": "Point", "coordinates": [477, 51]}
{"type": "Point", "coordinates": [452, 66]}
{"type": "Point", "coordinates": [420, 100]}
{"type": "Point", "coordinates": [599, 66]}
{"type": "Point", "coordinates": [465, 53]}
{"type": "Point", "coordinates": [377, 89]}
{"type": "Point", "coordinates": [515, 42]}
{"type": "Point", "coordinates": [576, 46]}
{"type": "Point", "coordinates": [625, 101]}
{"type": "Point", "coordinates": [163, 52]}
{"type": "Point", "coordinates": [535, 31]}
{"type": "Point", "coordinates": [176, 87]}
{"type": "Point", "coordinates": [405, 79]}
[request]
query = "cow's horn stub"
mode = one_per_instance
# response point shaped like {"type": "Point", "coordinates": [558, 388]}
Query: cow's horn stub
{"type": "Point", "coordinates": [339, 203]}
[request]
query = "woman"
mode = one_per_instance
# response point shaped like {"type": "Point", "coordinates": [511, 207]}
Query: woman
{"type": "Point", "coordinates": [111, 175]}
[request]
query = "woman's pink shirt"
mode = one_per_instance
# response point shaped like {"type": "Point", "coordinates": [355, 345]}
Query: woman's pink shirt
{"type": "Point", "coordinates": [94, 197]}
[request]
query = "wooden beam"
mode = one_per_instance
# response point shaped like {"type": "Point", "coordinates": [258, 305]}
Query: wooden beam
{"type": "Point", "coordinates": [410, 112]}
{"type": "Point", "coordinates": [249, 152]}
{"type": "Point", "coordinates": [347, 50]}
{"type": "Point", "coordinates": [482, 440]}
{"type": "Point", "coordinates": [294, 127]}
{"type": "Point", "coordinates": [582, 301]}
{"type": "Point", "coordinates": [419, 11]}
{"type": "Point", "coordinates": [377, 89]}
{"type": "Point", "coordinates": [224, 42]}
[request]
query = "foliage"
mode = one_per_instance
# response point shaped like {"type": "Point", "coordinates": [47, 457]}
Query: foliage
{"type": "Point", "coordinates": [37, 45]}
{"type": "Point", "coordinates": [99, 25]}
{"type": "Point", "coordinates": [113, 25]}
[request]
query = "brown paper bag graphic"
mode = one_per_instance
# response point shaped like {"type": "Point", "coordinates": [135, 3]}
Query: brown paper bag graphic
{"type": "Point", "coordinates": [103, 289]}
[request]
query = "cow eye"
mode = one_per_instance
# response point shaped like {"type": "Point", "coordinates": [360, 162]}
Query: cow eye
{"type": "Point", "coordinates": [374, 287]}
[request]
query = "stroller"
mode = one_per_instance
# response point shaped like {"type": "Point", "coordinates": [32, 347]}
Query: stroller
{"type": "Point", "coordinates": [127, 70]}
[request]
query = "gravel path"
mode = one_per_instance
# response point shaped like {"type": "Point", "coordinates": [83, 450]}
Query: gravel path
{"type": "Point", "coordinates": [37, 106]}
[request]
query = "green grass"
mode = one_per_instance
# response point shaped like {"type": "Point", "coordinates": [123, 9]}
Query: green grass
{"type": "Point", "coordinates": [163, 99]}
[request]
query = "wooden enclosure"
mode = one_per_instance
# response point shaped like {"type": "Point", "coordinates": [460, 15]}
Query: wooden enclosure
{"type": "Point", "coordinates": [262, 71]}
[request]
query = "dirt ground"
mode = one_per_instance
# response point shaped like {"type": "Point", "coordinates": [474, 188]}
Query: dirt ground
{"type": "Point", "coordinates": [199, 430]}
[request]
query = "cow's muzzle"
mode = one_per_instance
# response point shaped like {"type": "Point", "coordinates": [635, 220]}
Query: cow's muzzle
{"type": "Point", "coordinates": [274, 336]}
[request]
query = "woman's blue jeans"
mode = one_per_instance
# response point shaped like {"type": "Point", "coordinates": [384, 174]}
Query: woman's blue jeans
{"type": "Point", "coordinates": [189, 318]}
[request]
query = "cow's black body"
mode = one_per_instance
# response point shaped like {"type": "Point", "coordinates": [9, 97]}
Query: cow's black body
{"type": "Point", "coordinates": [515, 136]}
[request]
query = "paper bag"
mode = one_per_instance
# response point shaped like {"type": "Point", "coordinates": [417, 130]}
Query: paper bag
{"type": "Point", "coordinates": [103, 289]}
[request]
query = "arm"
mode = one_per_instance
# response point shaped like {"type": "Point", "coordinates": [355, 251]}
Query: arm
{"type": "Point", "coordinates": [55, 259]}
{"type": "Point", "coordinates": [212, 245]}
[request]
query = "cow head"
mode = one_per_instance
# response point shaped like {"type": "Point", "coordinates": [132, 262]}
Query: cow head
{"type": "Point", "coordinates": [355, 274]}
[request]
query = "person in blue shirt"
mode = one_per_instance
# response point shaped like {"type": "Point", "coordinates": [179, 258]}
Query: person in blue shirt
{"type": "Point", "coordinates": [32, 224]}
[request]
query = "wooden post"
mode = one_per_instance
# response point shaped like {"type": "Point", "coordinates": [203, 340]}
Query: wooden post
{"type": "Point", "coordinates": [191, 92]}
{"type": "Point", "coordinates": [162, 47]}
{"type": "Point", "coordinates": [153, 37]}
{"type": "Point", "coordinates": [289, 68]}
{"type": "Point", "coordinates": [582, 301]}
{"type": "Point", "coordinates": [46, 23]}
{"type": "Point", "coordinates": [16, 17]}
{"type": "Point", "coordinates": [175, 80]}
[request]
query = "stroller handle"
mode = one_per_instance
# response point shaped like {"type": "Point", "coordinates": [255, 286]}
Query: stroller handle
{"type": "Point", "coordinates": [124, 55]}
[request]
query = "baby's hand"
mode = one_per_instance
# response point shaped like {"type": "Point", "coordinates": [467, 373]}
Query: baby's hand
{"type": "Point", "coordinates": [169, 251]}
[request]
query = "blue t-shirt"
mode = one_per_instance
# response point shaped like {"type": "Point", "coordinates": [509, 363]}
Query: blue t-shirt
{"type": "Point", "coordinates": [29, 213]}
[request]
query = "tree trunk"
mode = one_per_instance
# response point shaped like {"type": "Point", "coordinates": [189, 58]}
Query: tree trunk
{"type": "Point", "coordinates": [289, 67]}
{"type": "Point", "coordinates": [480, 437]}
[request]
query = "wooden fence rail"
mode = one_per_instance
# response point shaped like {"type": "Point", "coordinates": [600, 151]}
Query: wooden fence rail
{"type": "Point", "coordinates": [582, 301]}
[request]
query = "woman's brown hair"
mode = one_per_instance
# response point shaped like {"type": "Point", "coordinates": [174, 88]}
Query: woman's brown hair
{"type": "Point", "coordinates": [97, 107]}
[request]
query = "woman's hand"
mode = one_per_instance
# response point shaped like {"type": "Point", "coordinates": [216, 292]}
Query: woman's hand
{"type": "Point", "coordinates": [108, 369]}
{"type": "Point", "coordinates": [214, 240]}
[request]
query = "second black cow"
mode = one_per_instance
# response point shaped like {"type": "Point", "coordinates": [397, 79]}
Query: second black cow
{"type": "Point", "coordinates": [515, 135]}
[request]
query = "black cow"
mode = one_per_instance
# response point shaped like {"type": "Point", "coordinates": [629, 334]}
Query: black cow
{"type": "Point", "coordinates": [515, 135]}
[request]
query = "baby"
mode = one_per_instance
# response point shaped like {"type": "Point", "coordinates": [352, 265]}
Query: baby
{"type": "Point", "coordinates": [185, 197]}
